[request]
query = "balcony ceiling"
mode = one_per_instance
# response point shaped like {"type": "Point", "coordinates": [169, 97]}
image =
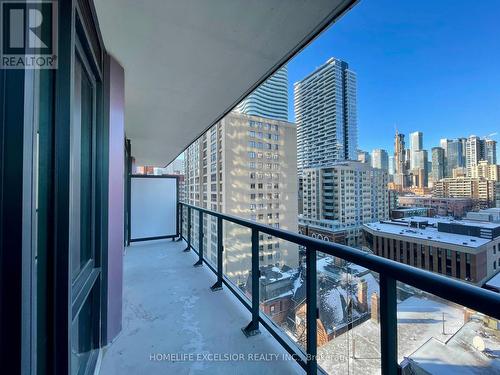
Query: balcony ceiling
{"type": "Point", "coordinates": [188, 62]}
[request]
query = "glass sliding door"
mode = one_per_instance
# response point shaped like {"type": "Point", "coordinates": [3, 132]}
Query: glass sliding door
{"type": "Point", "coordinates": [82, 236]}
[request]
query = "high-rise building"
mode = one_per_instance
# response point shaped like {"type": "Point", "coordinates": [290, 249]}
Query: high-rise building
{"type": "Point", "coordinates": [438, 166]}
{"type": "Point", "coordinates": [175, 167]}
{"type": "Point", "coordinates": [420, 167]}
{"type": "Point", "coordinates": [399, 160]}
{"type": "Point", "coordinates": [270, 99]}
{"type": "Point", "coordinates": [443, 143]}
{"type": "Point", "coordinates": [391, 165]}
{"type": "Point", "coordinates": [380, 159]}
{"type": "Point", "coordinates": [245, 166]}
{"type": "Point", "coordinates": [364, 157]}
{"type": "Point", "coordinates": [345, 195]}
{"type": "Point", "coordinates": [455, 156]}
{"type": "Point", "coordinates": [490, 151]}
{"type": "Point", "coordinates": [416, 144]}
{"type": "Point", "coordinates": [325, 112]}
{"type": "Point", "coordinates": [478, 149]}
{"type": "Point", "coordinates": [474, 152]}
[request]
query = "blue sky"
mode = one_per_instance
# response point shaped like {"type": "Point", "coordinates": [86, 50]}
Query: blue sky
{"type": "Point", "coordinates": [432, 66]}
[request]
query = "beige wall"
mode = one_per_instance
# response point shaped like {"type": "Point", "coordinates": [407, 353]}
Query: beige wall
{"type": "Point", "coordinates": [229, 162]}
{"type": "Point", "coordinates": [237, 190]}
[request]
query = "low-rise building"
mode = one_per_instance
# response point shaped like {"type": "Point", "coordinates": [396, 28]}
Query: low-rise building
{"type": "Point", "coordinates": [464, 249]}
{"type": "Point", "coordinates": [483, 191]}
{"type": "Point", "coordinates": [456, 207]}
{"type": "Point", "coordinates": [399, 213]}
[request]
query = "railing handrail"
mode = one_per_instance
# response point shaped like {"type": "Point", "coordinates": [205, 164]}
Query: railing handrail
{"type": "Point", "coordinates": [471, 296]}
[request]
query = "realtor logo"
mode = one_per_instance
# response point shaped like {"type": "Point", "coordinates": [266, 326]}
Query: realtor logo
{"type": "Point", "coordinates": [28, 34]}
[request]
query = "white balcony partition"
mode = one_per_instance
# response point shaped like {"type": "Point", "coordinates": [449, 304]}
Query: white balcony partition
{"type": "Point", "coordinates": [153, 204]}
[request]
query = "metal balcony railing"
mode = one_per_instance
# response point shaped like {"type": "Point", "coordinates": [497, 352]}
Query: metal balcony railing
{"type": "Point", "coordinates": [478, 299]}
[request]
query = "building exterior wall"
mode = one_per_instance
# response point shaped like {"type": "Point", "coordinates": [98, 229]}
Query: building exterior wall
{"type": "Point", "coordinates": [348, 194]}
{"type": "Point", "coordinates": [270, 99]}
{"type": "Point", "coordinates": [474, 265]}
{"type": "Point", "coordinates": [116, 196]}
{"type": "Point", "coordinates": [482, 190]}
{"type": "Point", "coordinates": [325, 112]}
{"type": "Point", "coordinates": [485, 170]}
{"type": "Point", "coordinates": [245, 166]}
{"type": "Point", "coordinates": [456, 207]}
{"type": "Point", "coordinates": [380, 159]}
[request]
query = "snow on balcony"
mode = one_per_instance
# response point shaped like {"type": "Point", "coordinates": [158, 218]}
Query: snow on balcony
{"type": "Point", "coordinates": [174, 324]}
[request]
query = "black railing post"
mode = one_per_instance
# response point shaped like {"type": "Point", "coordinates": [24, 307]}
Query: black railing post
{"type": "Point", "coordinates": [311, 312]}
{"type": "Point", "coordinates": [388, 325]}
{"type": "Point", "coordinates": [188, 247]}
{"type": "Point", "coordinates": [252, 328]}
{"type": "Point", "coordinates": [220, 249]}
{"type": "Point", "coordinates": [180, 220]}
{"type": "Point", "coordinates": [199, 263]}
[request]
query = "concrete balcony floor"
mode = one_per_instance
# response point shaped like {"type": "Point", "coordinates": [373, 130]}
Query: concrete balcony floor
{"type": "Point", "coordinates": [168, 309]}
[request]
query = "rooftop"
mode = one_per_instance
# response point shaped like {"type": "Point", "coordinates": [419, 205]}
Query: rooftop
{"type": "Point", "coordinates": [459, 355]}
{"type": "Point", "coordinates": [438, 219]}
{"type": "Point", "coordinates": [170, 310]}
{"type": "Point", "coordinates": [419, 319]}
{"type": "Point", "coordinates": [429, 234]}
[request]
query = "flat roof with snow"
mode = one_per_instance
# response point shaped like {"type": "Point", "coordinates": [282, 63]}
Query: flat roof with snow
{"type": "Point", "coordinates": [428, 234]}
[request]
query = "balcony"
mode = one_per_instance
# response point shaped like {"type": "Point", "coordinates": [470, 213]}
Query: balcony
{"type": "Point", "coordinates": [370, 315]}
{"type": "Point", "coordinates": [168, 309]}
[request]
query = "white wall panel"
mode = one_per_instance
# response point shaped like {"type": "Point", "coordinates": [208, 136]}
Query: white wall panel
{"type": "Point", "coordinates": [153, 207]}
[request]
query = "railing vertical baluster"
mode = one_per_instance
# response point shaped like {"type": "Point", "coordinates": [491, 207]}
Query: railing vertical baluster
{"type": "Point", "coordinates": [388, 325]}
{"type": "Point", "coordinates": [180, 220]}
{"type": "Point", "coordinates": [188, 247]}
{"type": "Point", "coordinates": [311, 312]}
{"type": "Point", "coordinates": [199, 263]}
{"type": "Point", "coordinates": [220, 249]}
{"type": "Point", "coordinates": [253, 327]}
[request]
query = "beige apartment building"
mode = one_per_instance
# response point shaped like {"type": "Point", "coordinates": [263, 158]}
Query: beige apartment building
{"type": "Point", "coordinates": [485, 170]}
{"type": "Point", "coordinates": [245, 166]}
{"type": "Point", "coordinates": [483, 191]}
{"type": "Point", "coordinates": [340, 198]}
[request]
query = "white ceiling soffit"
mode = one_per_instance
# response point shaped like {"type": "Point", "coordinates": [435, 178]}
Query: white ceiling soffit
{"type": "Point", "coordinates": [188, 62]}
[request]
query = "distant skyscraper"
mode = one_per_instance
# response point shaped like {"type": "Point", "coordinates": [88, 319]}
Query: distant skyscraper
{"type": "Point", "coordinates": [421, 167]}
{"type": "Point", "coordinates": [380, 159]}
{"type": "Point", "coordinates": [490, 151]}
{"type": "Point", "coordinates": [473, 152]}
{"type": "Point", "coordinates": [391, 165]}
{"type": "Point", "coordinates": [416, 144]}
{"type": "Point", "coordinates": [437, 163]}
{"type": "Point", "coordinates": [364, 157]}
{"type": "Point", "coordinates": [399, 159]}
{"type": "Point", "coordinates": [455, 157]}
{"type": "Point", "coordinates": [325, 113]}
{"type": "Point", "coordinates": [463, 141]}
{"type": "Point", "coordinates": [443, 143]}
{"type": "Point", "coordinates": [270, 99]}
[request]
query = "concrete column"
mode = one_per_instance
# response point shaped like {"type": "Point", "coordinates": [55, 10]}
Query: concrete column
{"type": "Point", "coordinates": [115, 100]}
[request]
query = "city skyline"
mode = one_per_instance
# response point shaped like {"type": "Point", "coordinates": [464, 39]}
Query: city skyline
{"type": "Point", "coordinates": [426, 100]}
